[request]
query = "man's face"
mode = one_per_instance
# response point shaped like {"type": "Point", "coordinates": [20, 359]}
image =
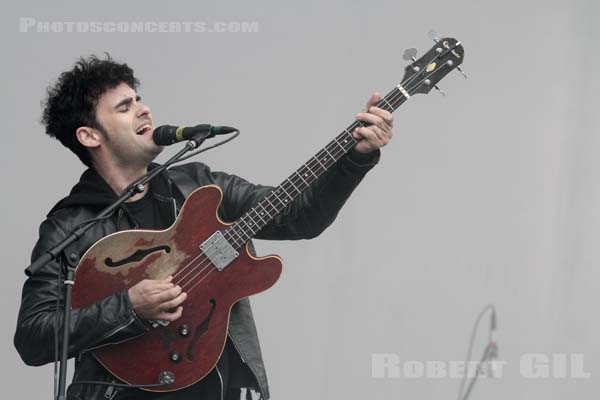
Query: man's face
{"type": "Point", "coordinates": [127, 137]}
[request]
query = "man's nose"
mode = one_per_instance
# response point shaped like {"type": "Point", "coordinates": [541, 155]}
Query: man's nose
{"type": "Point", "coordinates": [143, 110]}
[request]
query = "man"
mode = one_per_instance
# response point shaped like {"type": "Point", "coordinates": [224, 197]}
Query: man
{"type": "Point", "coordinates": [94, 111]}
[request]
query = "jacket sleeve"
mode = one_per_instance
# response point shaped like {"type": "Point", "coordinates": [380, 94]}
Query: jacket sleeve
{"type": "Point", "coordinates": [41, 316]}
{"type": "Point", "coordinates": [310, 213]}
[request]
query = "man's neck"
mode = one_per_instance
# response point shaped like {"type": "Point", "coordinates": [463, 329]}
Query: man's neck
{"type": "Point", "coordinates": [119, 179]}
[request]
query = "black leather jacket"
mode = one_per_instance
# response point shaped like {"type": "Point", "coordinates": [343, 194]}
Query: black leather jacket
{"type": "Point", "coordinates": [113, 319]}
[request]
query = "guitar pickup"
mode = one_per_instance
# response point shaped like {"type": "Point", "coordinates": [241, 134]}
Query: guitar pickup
{"type": "Point", "coordinates": [218, 250]}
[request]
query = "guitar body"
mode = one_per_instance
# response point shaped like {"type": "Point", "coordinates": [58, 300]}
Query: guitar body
{"type": "Point", "coordinates": [190, 347]}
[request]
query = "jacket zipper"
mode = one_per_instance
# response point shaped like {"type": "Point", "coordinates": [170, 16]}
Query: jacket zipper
{"type": "Point", "coordinates": [174, 209]}
{"type": "Point", "coordinates": [220, 380]}
{"type": "Point", "coordinates": [114, 331]}
{"type": "Point", "coordinates": [110, 392]}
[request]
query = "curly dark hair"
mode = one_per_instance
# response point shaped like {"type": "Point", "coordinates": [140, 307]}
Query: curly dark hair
{"type": "Point", "coordinates": [71, 101]}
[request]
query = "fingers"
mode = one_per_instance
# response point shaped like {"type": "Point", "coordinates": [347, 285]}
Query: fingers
{"type": "Point", "coordinates": [155, 299]}
{"type": "Point", "coordinates": [378, 130]}
{"type": "Point", "coordinates": [151, 286]}
{"type": "Point", "coordinates": [167, 294]}
{"type": "Point", "coordinates": [377, 116]}
{"type": "Point", "coordinates": [385, 115]}
{"type": "Point", "coordinates": [374, 137]}
{"type": "Point", "coordinates": [374, 99]}
{"type": "Point", "coordinates": [380, 125]}
{"type": "Point", "coordinates": [156, 289]}
{"type": "Point", "coordinates": [173, 303]}
{"type": "Point", "coordinates": [170, 316]}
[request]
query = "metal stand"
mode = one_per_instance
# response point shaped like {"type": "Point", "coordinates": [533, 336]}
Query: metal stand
{"type": "Point", "coordinates": [488, 354]}
{"type": "Point", "coordinates": [53, 254]}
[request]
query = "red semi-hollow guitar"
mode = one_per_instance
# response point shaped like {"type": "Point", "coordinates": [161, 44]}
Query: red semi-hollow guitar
{"type": "Point", "coordinates": [209, 258]}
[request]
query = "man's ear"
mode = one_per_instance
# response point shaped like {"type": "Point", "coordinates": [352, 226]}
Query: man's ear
{"type": "Point", "coordinates": [88, 137]}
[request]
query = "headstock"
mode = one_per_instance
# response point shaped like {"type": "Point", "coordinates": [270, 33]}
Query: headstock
{"type": "Point", "coordinates": [424, 73]}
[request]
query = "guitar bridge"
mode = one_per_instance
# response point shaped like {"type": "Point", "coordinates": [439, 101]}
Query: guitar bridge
{"type": "Point", "coordinates": [218, 250]}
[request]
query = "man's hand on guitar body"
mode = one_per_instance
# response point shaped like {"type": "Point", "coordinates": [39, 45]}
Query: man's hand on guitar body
{"type": "Point", "coordinates": [157, 300]}
{"type": "Point", "coordinates": [379, 130]}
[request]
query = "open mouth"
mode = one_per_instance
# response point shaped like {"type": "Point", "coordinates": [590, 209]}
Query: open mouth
{"type": "Point", "coordinates": [143, 129]}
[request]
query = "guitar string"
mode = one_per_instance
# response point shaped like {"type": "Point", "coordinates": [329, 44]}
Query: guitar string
{"type": "Point", "coordinates": [386, 100]}
{"type": "Point", "coordinates": [232, 228]}
{"type": "Point", "coordinates": [204, 267]}
{"type": "Point", "coordinates": [392, 97]}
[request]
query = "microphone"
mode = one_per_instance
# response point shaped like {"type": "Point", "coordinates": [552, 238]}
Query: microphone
{"type": "Point", "coordinates": [166, 135]}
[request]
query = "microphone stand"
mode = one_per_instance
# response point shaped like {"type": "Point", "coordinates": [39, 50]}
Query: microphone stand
{"type": "Point", "coordinates": [488, 354]}
{"type": "Point", "coordinates": [53, 254]}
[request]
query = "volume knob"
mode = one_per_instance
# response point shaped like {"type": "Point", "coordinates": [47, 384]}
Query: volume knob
{"type": "Point", "coordinates": [175, 356]}
{"type": "Point", "coordinates": [184, 330]}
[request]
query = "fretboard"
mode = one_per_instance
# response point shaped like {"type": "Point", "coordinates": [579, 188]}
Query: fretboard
{"type": "Point", "coordinates": [280, 197]}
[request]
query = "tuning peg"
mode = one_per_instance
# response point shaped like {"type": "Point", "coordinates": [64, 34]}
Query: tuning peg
{"type": "Point", "coordinates": [433, 36]}
{"type": "Point", "coordinates": [462, 72]}
{"type": "Point", "coordinates": [440, 90]}
{"type": "Point", "coordinates": [409, 54]}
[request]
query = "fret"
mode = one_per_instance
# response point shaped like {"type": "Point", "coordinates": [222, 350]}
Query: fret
{"type": "Point", "coordinates": [234, 242]}
{"type": "Point", "coordinates": [285, 191]}
{"type": "Point", "coordinates": [305, 174]}
{"type": "Point", "coordinates": [330, 155]}
{"type": "Point", "coordinates": [283, 203]}
{"type": "Point", "coordinates": [252, 221]}
{"type": "Point", "coordinates": [272, 205]}
{"type": "Point", "coordinates": [243, 220]}
{"type": "Point", "coordinates": [324, 159]}
{"type": "Point", "coordinates": [319, 163]}
{"type": "Point", "coordinates": [349, 138]}
{"type": "Point", "coordinates": [338, 143]}
{"type": "Point", "coordinates": [301, 179]}
{"type": "Point", "coordinates": [324, 168]}
{"type": "Point", "coordinates": [386, 102]}
{"type": "Point", "coordinates": [234, 231]}
{"type": "Point", "coordinates": [306, 183]}
{"type": "Point", "coordinates": [311, 171]}
{"type": "Point", "coordinates": [292, 183]}
{"type": "Point", "coordinates": [327, 151]}
{"type": "Point", "coordinates": [262, 212]}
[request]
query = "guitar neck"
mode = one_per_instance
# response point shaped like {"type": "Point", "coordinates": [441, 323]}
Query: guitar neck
{"type": "Point", "coordinates": [300, 180]}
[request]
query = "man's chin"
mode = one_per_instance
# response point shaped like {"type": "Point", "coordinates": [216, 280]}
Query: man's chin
{"type": "Point", "coordinates": [154, 152]}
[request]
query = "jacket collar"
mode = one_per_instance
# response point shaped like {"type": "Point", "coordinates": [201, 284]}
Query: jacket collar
{"type": "Point", "coordinates": [93, 191]}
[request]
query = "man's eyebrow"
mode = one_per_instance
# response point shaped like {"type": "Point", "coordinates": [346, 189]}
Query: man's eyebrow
{"type": "Point", "coordinates": [127, 101]}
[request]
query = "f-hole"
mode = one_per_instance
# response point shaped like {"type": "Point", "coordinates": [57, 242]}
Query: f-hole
{"type": "Point", "coordinates": [200, 330]}
{"type": "Point", "coordinates": [139, 255]}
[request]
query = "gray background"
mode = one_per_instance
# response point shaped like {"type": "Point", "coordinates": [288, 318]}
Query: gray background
{"type": "Point", "coordinates": [487, 195]}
